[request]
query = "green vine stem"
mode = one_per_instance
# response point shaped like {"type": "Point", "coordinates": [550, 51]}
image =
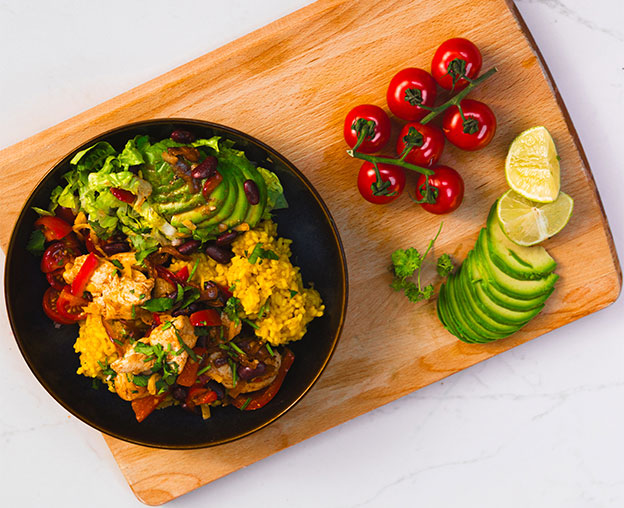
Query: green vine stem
{"type": "Point", "coordinates": [375, 159]}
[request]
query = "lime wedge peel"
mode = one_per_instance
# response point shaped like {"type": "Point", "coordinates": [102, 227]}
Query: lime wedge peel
{"type": "Point", "coordinates": [532, 165]}
{"type": "Point", "coordinates": [528, 223]}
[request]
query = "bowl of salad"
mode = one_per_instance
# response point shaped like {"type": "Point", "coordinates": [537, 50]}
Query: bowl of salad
{"type": "Point", "coordinates": [176, 283]}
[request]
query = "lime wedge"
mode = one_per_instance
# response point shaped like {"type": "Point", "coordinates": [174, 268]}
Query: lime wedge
{"type": "Point", "coordinates": [532, 165]}
{"type": "Point", "coordinates": [528, 223]}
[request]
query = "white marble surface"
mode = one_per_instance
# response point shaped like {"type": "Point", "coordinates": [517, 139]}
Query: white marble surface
{"type": "Point", "coordinates": [540, 425]}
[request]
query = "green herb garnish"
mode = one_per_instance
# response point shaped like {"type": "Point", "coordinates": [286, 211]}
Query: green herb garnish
{"type": "Point", "coordinates": [158, 304]}
{"type": "Point", "coordinates": [231, 309]}
{"type": "Point", "coordinates": [251, 323]}
{"type": "Point", "coordinates": [193, 270]}
{"type": "Point", "coordinates": [293, 293]}
{"type": "Point", "coordinates": [244, 406]}
{"type": "Point", "coordinates": [117, 263]}
{"type": "Point", "coordinates": [444, 265]}
{"type": "Point", "coordinates": [205, 369]}
{"type": "Point", "coordinates": [36, 243]}
{"type": "Point", "coordinates": [259, 253]}
{"type": "Point", "coordinates": [263, 309]}
{"type": "Point", "coordinates": [270, 349]}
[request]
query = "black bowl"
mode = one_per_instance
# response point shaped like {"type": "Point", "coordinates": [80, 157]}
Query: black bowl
{"type": "Point", "coordinates": [49, 351]}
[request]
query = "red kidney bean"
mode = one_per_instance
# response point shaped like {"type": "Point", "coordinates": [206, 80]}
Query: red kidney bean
{"type": "Point", "coordinates": [115, 248]}
{"type": "Point", "coordinates": [252, 192]}
{"type": "Point", "coordinates": [182, 136]}
{"type": "Point", "coordinates": [211, 184]}
{"type": "Point", "coordinates": [226, 238]}
{"type": "Point", "coordinates": [205, 168]}
{"type": "Point", "coordinates": [247, 373]}
{"type": "Point", "coordinates": [219, 254]}
{"type": "Point", "coordinates": [188, 247]}
{"type": "Point", "coordinates": [179, 392]}
{"type": "Point", "coordinates": [216, 387]}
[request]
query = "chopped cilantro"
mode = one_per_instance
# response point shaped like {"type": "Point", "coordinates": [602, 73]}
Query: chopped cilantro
{"type": "Point", "coordinates": [259, 253]}
{"type": "Point", "coordinates": [231, 309]}
{"type": "Point", "coordinates": [293, 293]}
{"type": "Point", "coordinates": [158, 304]}
{"type": "Point", "coordinates": [444, 265]}
{"type": "Point", "coordinates": [36, 243]}
{"type": "Point", "coordinates": [140, 380]}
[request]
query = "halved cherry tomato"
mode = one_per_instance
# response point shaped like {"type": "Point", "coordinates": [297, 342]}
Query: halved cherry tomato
{"type": "Point", "coordinates": [55, 279]}
{"type": "Point", "coordinates": [408, 90]}
{"type": "Point", "coordinates": [183, 273]}
{"type": "Point", "coordinates": [448, 188]}
{"type": "Point", "coordinates": [199, 395]}
{"type": "Point", "coordinates": [56, 256]}
{"type": "Point", "coordinates": [69, 306]}
{"type": "Point", "coordinates": [428, 153]}
{"type": "Point", "coordinates": [50, 299]}
{"type": "Point", "coordinates": [473, 133]}
{"type": "Point", "coordinates": [256, 400]}
{"type": "Point", "coordinates": [143, 407]}
{"type": "Point", "coordinates": [72, 243]}
{"type": "Point", "coordinates": [372, 118]}
{"type": "Point", "coordinates": [206, 317]}
{"type": "Point", "coordinates": [79, 284]}
{"type": "Point", "coordinates": [453, 59]}
{"type": "Point", "coordinates": [53, 228]}
{"type": "Point", "coordinates": [367, 182]}
{"type": "Point", "coordinates": [123, 195]}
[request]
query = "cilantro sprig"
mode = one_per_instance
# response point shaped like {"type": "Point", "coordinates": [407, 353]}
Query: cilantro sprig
{"type": "Point", "coordinates": [408, 262]}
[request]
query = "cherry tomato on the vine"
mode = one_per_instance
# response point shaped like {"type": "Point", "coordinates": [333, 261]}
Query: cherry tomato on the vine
{"type": "Point", "coordinates": [375, 123]}
{"type": "Point", "coordinates": [369, 186]}
{"type": "Point", "coordinates": [408, 89]}
{"type": "Point", "coordinates": [453, 59]}
{"type": "Point", "coordinates": [475, 131]}
{"type": "Point", "coordinates": [430, 149]}
{"type": "Point", "coordinates": [447, 187]}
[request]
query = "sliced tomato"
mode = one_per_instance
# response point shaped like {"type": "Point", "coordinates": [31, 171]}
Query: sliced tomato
{"type": "Point", "coordinates": [182, 273]}
{"type": "Point", "coordinates": [50, 300]}
{"type": "Point", "coordinates": [69, 306]}
{"type": "Point", "coordinates": [79, 284]}
{"type": "Point", "coordinates": [143, 407]}
{"type": "Point", "coordinates": [55, 279]}
{"type": "Point", "coordinates": [200, 395]}
{"type": "Point", "coordinates": [256, 400]}
{"type": "Point", "coordinates": [123, 195]}
{"type": "Point", "coordinates": [56, 256]}
{"type": "Point", "coordinates": [206, 317]}
{"type": "Point", "coordinates": [53, 228]}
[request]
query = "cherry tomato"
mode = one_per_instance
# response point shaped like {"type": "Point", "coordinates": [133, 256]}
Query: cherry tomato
{"type": "Point", "coordinates": [123, 195]}
{"type": "Point", "coordinates": [56, 256]}
{"type": "Point", "coordinates": [428, 153]}
{"type": "Point", "coordinates": [362, 114]}
{"type": "Point", "coordinates": [476, 131]}
{"type": "Point", "coordinates": [409, 88]}
{"type": "Point", "coordinates": [55, 279]}
{"type": "Point", "coordinates": [367, 182]}
{"type": "Point", "coordinates": [206, 317]}
{"type": "Point", "coordinates": [50, 299]}
{"type": "Point", "coordinates": [448, 189]}
{"type": "Point", "coordinates": [53, 228]}
{"type": "Point", "coordinates": [464, 59]}
{"type": "Point", "coordinates": [70, 307]}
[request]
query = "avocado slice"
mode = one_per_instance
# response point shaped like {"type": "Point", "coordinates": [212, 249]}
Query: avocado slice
{"type": "Point", "coordinates": [255, 212]}
{"type": "Point", "coordinates": [513, 259]}
{"type": "Point", "coordinates": [471, 278]}
{"type": "Point", "coordinates": [446, 318]}
{"type": "Point", "coordinates": [242, 204]}
{"type": "Point", "coordinates": [519, 289]}
{"type": "Point", "coordinates": [228, 205]}
{"type": "Point", "coordinates": [210, 208]}
{"type": "Point", "coordinates": [471, 327]}
{"type": "Point", "coordinates": [473, 310]}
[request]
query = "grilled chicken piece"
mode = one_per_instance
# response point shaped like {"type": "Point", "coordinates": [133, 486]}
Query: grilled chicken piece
{"type": "Point", "coordinates": [127, 390]}
{"type": "Point", "coordinates": [115, 292]}
{"type": "Point", "coordinates": [134, 362]}
{"type": "Point", "coordinates": [223, 375]}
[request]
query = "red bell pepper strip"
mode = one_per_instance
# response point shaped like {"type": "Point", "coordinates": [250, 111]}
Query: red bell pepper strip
{"type": "Point", "coordinates": [206, 317]}
{"type": "Point", "coordinates": [182, 273]}
{"type": "Point", "coordinates": [53, 228]}
{"type": "Point", "coordinates": [188, 376]}
{"type": "Point", "coordinates": [79, 284]}
{"type": "Point", "coordinates": [123, 195]}
{"type": "Point", "coordinates": [256, 400]}
{"type": "Point", "coordinates": [144, 406]}
{"type": "Point", "coordinates": [169, 276]}
{"type": "Point", "coordinates": [227, 294]}
{"type": "Point", "coordinates": [200, 395]}
{"type": "Point", "coordinates": [156, 318]}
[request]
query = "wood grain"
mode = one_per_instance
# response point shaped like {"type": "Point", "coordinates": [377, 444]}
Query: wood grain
{"type": "Point", "coordinates": [290, 84]}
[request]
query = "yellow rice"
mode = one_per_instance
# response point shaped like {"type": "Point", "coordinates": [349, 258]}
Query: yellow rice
{"type": "Point", "coordinates": [93, 345]}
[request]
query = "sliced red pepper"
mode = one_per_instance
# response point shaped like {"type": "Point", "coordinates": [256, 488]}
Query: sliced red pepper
{"type": "Point", "coordinates": [123, 195]}
{"type": "Point", "coordinates": [182, 273]}
{"type": "Point", "coordinates": [206, 317]}
{"type": "Point", "coordinates": [169, 276]}
{"type": "Point", "coordinates": [156, 318]}
{"type": "Point", "coordinates": [225, 291]}
{"type": "Point", "coordinates": [188, 376]}
{"type": "Point", "coordinates": [55, 279]}
{"type": "Point", "coordinates": [79, 284]}
{"type": "Point", "coordinates": [143, 407]}
{"type": "Point", "coordinates": [256, 400]}
{"type": "Point", "coordinates": [53, 228]}
{"type": "Point", "coordinates": [200, 395]}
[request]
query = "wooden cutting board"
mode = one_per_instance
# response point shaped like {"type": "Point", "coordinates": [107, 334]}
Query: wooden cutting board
{"type": "Point", "coordinates": [290, 84]}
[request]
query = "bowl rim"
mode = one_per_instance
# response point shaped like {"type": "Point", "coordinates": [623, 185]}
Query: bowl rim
{"type": "Point", "coordinates": [229, 130]}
